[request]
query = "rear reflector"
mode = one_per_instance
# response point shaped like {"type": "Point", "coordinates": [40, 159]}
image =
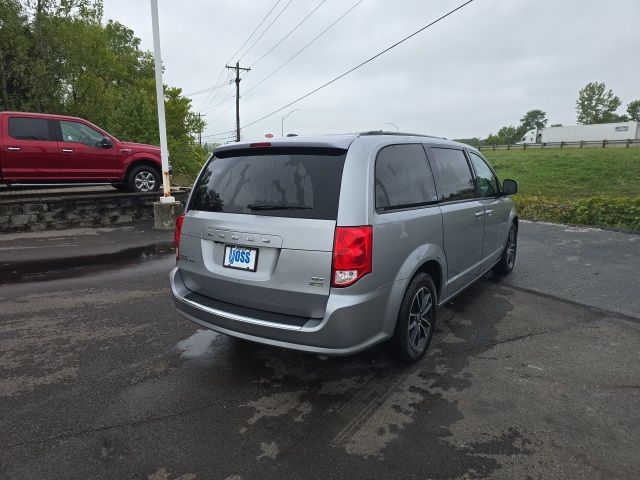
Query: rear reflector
{"type": "Point", "coordinates": [176, 235]}
{"type": "Point", "coordinates": [352, 255]}
{"type": "Point", "coordinates": [260, 145]}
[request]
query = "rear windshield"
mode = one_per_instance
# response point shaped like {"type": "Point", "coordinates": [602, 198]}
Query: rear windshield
{"type": "Point", "coordinates": [277, 182]}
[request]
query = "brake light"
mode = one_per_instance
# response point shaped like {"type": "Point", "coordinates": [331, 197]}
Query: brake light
{"type": "Point", "coordinates": [176, 235]}
{"type": "Point", "coordinates": [260, 145]}
{"type": "Point", "coordinates": [352, 255]}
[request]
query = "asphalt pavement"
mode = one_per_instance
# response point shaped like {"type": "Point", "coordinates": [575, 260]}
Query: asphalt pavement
{"type": "Point", "coordinates": [530, 376]}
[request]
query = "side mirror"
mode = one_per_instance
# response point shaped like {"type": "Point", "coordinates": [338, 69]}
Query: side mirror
{"type": "Point", "coordinates": [509, 187]}
{"type": "Point", "coordinates": [106, 143]}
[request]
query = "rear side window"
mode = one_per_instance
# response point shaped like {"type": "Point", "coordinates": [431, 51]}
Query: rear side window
{"type": "Point", "coordinates": [279, 182]}
{"type": "Point", "coordinates": [403, 178]}
{"type": "Point", "coordinates": [23, 128]}
{"type": "Point", "coordinates": [453, 174]}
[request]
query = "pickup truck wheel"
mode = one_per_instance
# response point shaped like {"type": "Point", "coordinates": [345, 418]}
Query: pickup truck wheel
{"type": "Point", "coordinates": [143, 178]}
{"type": "Point", "coordinates": [416, 319]}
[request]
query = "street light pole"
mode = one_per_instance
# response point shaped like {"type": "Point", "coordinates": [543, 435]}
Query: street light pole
{"type": "Point", "coordinates": [282, 120]}
{"type": "Point", "coordinates": [164, 151]}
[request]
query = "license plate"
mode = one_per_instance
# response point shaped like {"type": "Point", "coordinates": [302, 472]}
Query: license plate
{"type": "Point", "coordinates": [241, 258]}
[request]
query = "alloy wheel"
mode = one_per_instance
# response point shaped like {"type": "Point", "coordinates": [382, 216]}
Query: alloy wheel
{"type": "Point", "coordinates": [420, 319]}
{"type": "Point", "coordinates": [145, 181]}
{"type": "Point", "coordinates": [511, 248]}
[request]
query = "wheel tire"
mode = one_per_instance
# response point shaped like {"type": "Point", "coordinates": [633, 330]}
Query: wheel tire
{"type": "Point", "coordinates": [416, 320]}
{"type": "Point", "coordinates": [508, 259]}
{"type": "Point", "coordinates": [143, 178]}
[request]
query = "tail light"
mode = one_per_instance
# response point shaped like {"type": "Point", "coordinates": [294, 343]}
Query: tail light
{"type": "Point", "coordinates": [176, 235]}
{"type": "Point", "coordinates": [352, 254]}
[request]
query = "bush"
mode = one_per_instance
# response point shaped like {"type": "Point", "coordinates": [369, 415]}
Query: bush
{"type": "Point", "coordinates": [601, 211]}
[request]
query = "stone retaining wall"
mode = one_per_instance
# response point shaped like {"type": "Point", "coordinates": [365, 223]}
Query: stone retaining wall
{"type": "Point", "coordinates": [60, 211]}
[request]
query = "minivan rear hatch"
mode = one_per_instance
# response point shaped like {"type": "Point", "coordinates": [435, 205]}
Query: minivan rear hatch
{"type": "Point", "coordinates": [260, 225]}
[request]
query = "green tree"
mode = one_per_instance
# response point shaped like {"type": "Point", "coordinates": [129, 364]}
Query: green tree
{"type": "Point", "coordinates": [535, 118]}
{"type": "Point", "coordinates": [633, 110]}
{"type": "Point", "coordinates": [506, 136]}
{"type": "Point", "coordinates": [596, 104]}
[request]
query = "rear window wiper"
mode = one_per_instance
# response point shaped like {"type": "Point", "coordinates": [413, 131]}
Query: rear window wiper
{"type": "Point", "coordinates": [258, 206]}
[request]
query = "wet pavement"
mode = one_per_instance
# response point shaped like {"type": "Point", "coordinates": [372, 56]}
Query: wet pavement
{"type": "Point", "coordinates": [99, 378]}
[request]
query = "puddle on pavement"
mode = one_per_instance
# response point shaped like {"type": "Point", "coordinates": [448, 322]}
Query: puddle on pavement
{"type": "Point", "coordinates": [42, 271]}
{"type": "Point", "coordinates": [197, 344]}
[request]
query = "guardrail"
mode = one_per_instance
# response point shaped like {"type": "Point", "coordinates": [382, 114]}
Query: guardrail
{"type": "Point", "coordinates": [580, 144]}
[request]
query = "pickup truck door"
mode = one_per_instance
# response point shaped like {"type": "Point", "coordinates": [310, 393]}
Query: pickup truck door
{"type": "Point", "coordinates": [82, 154]}
{"type": "Point", "coordinates": [30, 150]}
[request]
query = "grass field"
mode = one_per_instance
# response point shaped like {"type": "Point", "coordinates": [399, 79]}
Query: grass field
{"type": "Point", "coordinates": [598, 187]}
{"type": "Point", "coordinates": [570, 173]}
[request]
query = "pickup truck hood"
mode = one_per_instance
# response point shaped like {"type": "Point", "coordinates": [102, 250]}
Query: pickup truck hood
{"type": "Point", "coordinates": [141, 147]}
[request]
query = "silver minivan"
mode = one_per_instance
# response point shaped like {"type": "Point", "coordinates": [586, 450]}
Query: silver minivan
{"type": "Point", "coordinates": [332, 244]}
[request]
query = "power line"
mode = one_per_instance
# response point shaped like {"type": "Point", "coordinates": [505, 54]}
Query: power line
{"type": "Point", "coordinates": [254, 32]}
{"type": "Point", "coordinates": [210, 99]}
{"type": "Point", "coordinates": [304, 48]}
{"type": "Point", "coordinates": [382, 52]}
{"type": "Point", "coordinates": [226, 99]}
{"type": "Point", "coordinates": [237, 51]}
{"type": "Point", "coordinates": [289, 34]}
{"type": "Point", "coordinates": [265, 30]}
{"type": "Point", "coordinates": [205, 90]}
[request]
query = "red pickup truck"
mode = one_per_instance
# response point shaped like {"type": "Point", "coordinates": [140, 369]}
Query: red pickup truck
{"type": "Point", "coordinates": [41, 149]}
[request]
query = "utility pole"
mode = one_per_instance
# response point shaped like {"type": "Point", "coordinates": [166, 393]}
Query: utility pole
{"type": "Point", "coordinates": [162, 125]}
{"type": "Point", "coordinates": [200, 131]}
{"type": "Point", "coordinates": [237, 68]}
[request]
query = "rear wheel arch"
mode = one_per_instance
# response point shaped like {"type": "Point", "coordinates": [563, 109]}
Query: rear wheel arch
{"type": "Point", "coordinates": [434, 269]}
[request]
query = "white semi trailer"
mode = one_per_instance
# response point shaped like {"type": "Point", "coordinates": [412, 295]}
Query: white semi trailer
{"type": "Point", "coordinates": [584, 133]}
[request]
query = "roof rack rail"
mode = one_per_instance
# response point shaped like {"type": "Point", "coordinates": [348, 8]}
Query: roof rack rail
{"type": "Point", "coordinates": [401, 134]}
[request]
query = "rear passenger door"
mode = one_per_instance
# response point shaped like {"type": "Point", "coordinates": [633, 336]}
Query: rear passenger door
{"type": "Point", "coordinates": [31, 150]}
{"type": "Point", "coordinates": [462, 215]}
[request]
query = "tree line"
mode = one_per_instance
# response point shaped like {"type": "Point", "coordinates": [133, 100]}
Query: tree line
{"type": "Point", "coordinates": [595, 104]}
{"type": "Point", "coordinates": [58, 56]}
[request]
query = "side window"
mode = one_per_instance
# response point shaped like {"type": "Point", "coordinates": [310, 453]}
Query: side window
{"type": "Point", "coordinates": [80, 133]}
{"type": "Point", "coordinates": [23, 128]}
{"type": "Point", "coordinates": [453, 175]}
{"type": "Point", "coordinates": [487, 182]}
{"type": "Point", "coordinates": [403, 178]}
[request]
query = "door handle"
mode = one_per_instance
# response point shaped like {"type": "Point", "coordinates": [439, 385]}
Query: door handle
{"type": "Point", "coordinates": [67, 150]}
{"type": "Point", "coordinates": [13, 149]}
{"type": "Point", "coordinates": [488, 212]}
{"type": "Point", "coordinates": [479, 214]}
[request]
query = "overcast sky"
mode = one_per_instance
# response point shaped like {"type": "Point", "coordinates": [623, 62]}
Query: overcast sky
{"type": "Point", "coordinates": [479, 69]}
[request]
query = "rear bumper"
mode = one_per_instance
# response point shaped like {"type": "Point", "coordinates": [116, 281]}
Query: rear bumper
{"type": "Point", "coordinates": [352, 323]}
